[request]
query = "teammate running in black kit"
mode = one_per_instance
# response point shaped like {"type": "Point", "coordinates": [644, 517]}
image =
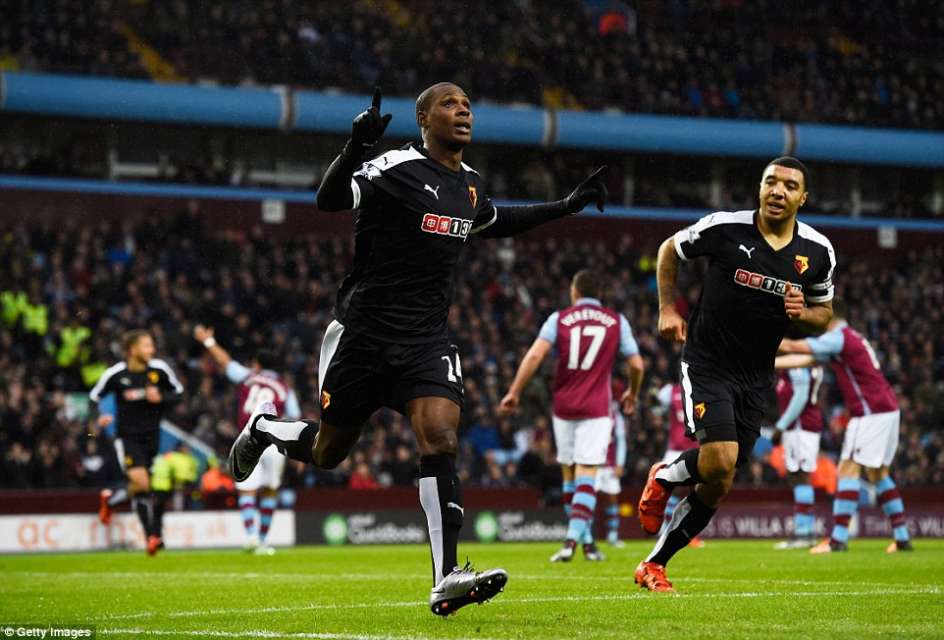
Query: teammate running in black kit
{"type": "Point", "coordinates": [144, 387]}
{"type": "Point", "coordinates": [389, 345]}
{"type": "Point", "coordinates": [766, 270]}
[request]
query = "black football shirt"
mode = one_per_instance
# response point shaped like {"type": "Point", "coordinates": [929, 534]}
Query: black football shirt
{"type": "Point", "coordinates": [135, 416]}
{"type": "Point", "coordinates": [739, 320]}
{"type": "Point", "coordinates": [414, 216]}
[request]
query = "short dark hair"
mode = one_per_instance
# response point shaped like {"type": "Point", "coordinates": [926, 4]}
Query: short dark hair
{"type": "Point", "coordinates": [131, 338]}
{"type": "Point", "coordinates": [792, 163]}
{"type": "Point", "coordinates": [266, 358]}
{"type": "Point", "coordinates": [587, 283]}
{"type": "Point", "coordinates": [839, 308]}
{"type": "Point", "coordinates": [425, 99]}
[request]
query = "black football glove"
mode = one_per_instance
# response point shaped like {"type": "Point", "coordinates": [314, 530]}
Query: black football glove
{"type": "Point", "coordinates": [369, 125]}
{"type": "Point", "coordinates": [591, 190]}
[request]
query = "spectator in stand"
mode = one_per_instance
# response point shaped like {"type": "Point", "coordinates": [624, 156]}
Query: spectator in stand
{"type": "Point", "coordinates": [875, 62]}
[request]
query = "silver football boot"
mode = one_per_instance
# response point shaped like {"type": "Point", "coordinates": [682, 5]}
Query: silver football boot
{"type": "Point", "coordinates": [246, 451]}
{"type": "Point", "coordinates": [465, 586]}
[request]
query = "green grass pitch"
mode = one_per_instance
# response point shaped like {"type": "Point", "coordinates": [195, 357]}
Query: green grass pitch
{"type": "Point", "coordinates": [726, 590]}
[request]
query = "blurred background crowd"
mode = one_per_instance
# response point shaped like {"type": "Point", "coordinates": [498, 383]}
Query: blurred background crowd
{"type": "Point", "coordinates": [874, 62]}
{"type": "Point", "coordinates": [68, 292]}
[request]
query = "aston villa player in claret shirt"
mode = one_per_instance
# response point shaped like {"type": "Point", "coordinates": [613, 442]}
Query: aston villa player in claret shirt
{"type": "Point", "coordinates": [766, 271]}
{"type": "Point", "coordinates": [388, 346]}
{"type": "Point", "coordinates": [588, 337]}
{"type": "Point", "coordinates": [871, 438]}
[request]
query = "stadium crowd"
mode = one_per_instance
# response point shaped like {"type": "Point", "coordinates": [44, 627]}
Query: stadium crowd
{"type": "Point", "coordinates": [68, 292]}
{"type": "Point", "coordinates": [873, 62]}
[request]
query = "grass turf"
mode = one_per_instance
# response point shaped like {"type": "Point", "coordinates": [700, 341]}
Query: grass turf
{"type": "Point", "coordinates": [730, 589]}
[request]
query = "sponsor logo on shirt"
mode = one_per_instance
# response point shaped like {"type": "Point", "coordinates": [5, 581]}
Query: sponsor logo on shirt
{"type": "Point", "coordinates": [761, 282]}
{"type": "Point", "coordinates": [446, 225]}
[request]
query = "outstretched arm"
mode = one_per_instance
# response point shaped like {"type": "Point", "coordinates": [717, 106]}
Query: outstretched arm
{"type": "Point", "coordinates": [529, 364]}
{"type": "Point", "coordinates": [337, 193]}
{"type": "Point", "coordinates": [794, 361]}
{"type": "Point", "coordinates": [514, 219]}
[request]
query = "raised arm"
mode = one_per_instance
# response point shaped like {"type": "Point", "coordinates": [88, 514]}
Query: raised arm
{"type": "Point", "coordinates": [205, 336]}
{"type": "Point", "coordinates": [235, 371]}
{"type": "Point", "coordinates": [338, 192]}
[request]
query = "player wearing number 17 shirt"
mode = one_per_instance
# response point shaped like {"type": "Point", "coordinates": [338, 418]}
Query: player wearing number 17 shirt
{"type": "Point", "coordinates": [258, 383]}
{"type": "Point", "coordinates": [588, 337]}
{"type": "Point", "coordinates": [766, 271]}
{"type": "Point", "coordinates": [389, 345]}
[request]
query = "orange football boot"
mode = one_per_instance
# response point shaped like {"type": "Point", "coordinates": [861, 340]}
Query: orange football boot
{"type": "Point", "coordinates": [104, 509]}
{"type": "Point", "coordinates": [652, 502]}
{"type": "Point", "coordinates": [651, 576]}
{"type": "Point", "coordinates": [153, 544]}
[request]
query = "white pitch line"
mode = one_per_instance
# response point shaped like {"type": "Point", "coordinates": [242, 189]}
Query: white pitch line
{"type": "Point", "coordinates": [260, 633]}
{"type": "Point", "coordinates": [617, 597]}
{"type": "Point", "coordinates": [328, 577]}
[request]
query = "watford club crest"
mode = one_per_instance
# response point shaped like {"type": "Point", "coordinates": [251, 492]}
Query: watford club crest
{"type": "Point", "coordinates": [700, 409]}
{"type": "Point", "coordinates": [473, 196]}
{"type": "Point", "coordinates": [801, 263]}
{"type": "Point", "coordinates": [153, 377]}
{"type": "Point", "coordinates": [325, 399]}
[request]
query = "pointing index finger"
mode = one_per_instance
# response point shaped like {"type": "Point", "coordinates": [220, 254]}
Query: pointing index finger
{"type": "Point", "coordinates": [376, 101]}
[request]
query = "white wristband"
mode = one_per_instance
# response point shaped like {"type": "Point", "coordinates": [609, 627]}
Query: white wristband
{"type": "Point", "coordinates": [209, 342]}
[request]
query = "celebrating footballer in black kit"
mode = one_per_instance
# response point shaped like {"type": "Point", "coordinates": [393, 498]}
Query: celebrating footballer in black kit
{"type": "Point", "coordinates": [766, 270]}
{"type": "Point", "coordinates": [144, 388]}
{"type": "Point", "coordinates": [389, 346]}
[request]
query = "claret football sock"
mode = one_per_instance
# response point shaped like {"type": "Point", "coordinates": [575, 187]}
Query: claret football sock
{"type": "Point", "coordinates": [247, 510]}
{"type": "Point", "coordinates": [267, 507]}
{"type": "Point", "coordinates": [892, 505]}
{"type": "Point", "coordinates": [803, 518]}
{"type": "Point", "coordinates": [582, 509]}
{"type": "Point", "coordinates": [845, 504]}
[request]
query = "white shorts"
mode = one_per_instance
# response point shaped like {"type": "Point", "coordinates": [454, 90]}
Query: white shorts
{"type": "Point", "coordinates": [607, 482]}
{"type": "Point", "coordinates": [267, 474]}
{"type": "Point", "coordinates": [582, 441]}
{"type": "Point", "coordinates": [872, 440]}
{"type": "Point", "coordinates": [800, 450]}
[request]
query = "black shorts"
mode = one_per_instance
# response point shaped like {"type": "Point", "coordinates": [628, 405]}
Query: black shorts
{"type": "Point", "coordinates": [137, 450]}
{"type": "Point", "coordinates": [359, 374]}
{"type": "Point", "coordinates": [720, 410]}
